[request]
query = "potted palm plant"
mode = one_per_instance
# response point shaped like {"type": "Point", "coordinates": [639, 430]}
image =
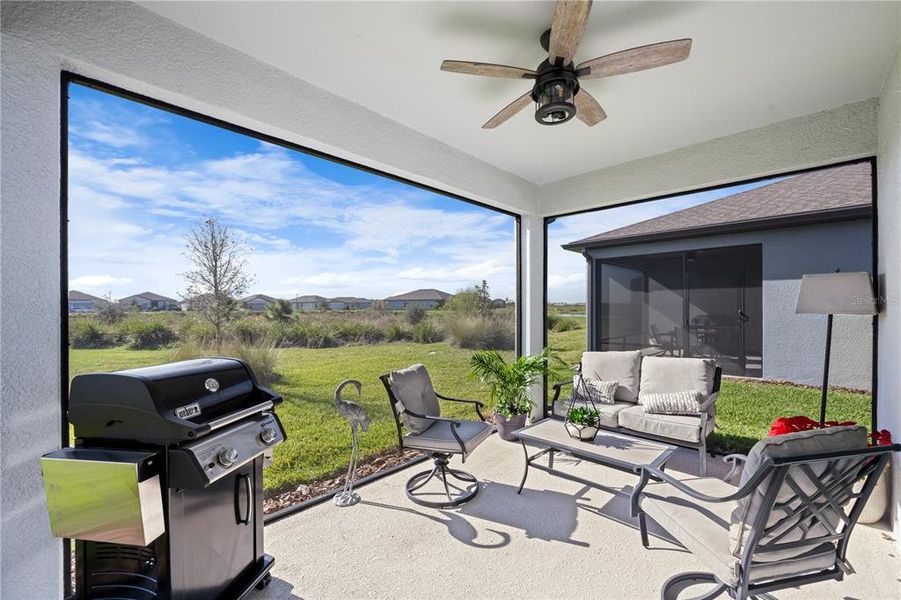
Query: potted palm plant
{"type": "Point", "coordinates": [509, 384]}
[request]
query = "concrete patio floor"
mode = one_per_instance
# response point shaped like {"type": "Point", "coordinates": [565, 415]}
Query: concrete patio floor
{"type": "Point", "coordinates": [559, 539]}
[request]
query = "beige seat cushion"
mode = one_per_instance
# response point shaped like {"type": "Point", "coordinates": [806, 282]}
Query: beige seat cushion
{"type": "Point", "coordinates": [622, 367]}
{"type": "Point", "coordinates": [666, 374]}
{"type": "Point", "coordinates": [438, 437]}
{"type": "Point", "coordinates": [608, 413]}
{"type": "Point", "coordinates": [703, 528]}
{"type": "Point", "coordinates": [816, 441]}
{"type": "Point", "coordinates": [686, 428]}
{"type": "Point", "coordinates": [412, 387]}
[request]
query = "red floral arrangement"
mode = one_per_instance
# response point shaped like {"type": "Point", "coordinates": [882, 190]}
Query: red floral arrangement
{"type": "Point", "coordinates": [801, 423]}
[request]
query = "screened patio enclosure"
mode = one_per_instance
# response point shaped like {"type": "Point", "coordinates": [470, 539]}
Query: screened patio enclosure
{"type": "Point", "coordinates": [701, 303]}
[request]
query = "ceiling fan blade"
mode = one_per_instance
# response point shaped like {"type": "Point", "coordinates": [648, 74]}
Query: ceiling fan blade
{"type": "Point", "coordinates": [635, 59]}
{"type": "Point", "coordinates": [587, 109]}
{"type": "Point", "coordinates": [567, 29]}
{"type": "Point", "coordinates": [486, 69]}
{"type": "Point", "coordinates": [509, 110]}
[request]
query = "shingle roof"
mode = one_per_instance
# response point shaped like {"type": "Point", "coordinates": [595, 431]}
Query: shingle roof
{"type": "Point", "coordinates": [76, 295]}
{"type": "Point", "coordinates": [151, 296]}
{"type": "Point", "coordinates": [347, 299]}
{"type": "Point", "coordinates": [424, 294]}
{"type": "Point", "coordinates": [313, 298]}
{"type": "Point", "coordinates": [839, 192]}
{"type": "Point", "coordinates": [260, 296]}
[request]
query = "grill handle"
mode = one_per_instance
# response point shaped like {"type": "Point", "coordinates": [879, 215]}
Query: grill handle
{"type": "Point", "coordinates": [237, 416]}
{"type": "Point", "coordinates": [248, 491]}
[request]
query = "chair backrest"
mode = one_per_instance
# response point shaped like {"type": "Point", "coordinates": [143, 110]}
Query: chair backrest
{"type": "Point", "coordinates": [410, 390]}
{"type": "Point", "coordinates": [807, 489]}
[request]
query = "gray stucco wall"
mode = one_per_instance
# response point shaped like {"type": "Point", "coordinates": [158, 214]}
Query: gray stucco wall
{"type": "Point", "coordinates": [794, 345]}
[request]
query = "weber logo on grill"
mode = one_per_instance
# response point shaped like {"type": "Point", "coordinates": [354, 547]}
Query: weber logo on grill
{"type": "Point", "coordinates": [188, 411]}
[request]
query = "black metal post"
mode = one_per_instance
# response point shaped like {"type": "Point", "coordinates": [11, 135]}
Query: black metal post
{"type": "Point", "coordinates": [826, 371]}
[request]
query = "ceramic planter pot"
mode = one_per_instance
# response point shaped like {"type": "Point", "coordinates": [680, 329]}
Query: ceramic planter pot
{"type": "Point", "coordinates": [506, 427]}
{"type": "Point", "coordinates": [585, 433]}
{"type": "Point", "coordinates": [875, 508]}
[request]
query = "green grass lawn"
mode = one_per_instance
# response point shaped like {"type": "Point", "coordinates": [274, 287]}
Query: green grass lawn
{"type": "Point", "coordinates": [319, 440]}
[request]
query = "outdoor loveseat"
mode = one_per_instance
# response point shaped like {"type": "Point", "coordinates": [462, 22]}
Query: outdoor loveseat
{"type": "Point", "coordinates": [638, 376]}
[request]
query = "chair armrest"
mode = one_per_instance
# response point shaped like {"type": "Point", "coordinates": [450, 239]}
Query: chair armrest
{"type": "Point", "coordinates": [559, 386]}
{"type": "Point", "coordinates": [645, 473]}
{"type": "Point", "coordinates": [476, 404]}
{"type": "Point", "coordinates": [737, 461]}
{"type": "Point", "coordinates": [710, 401]}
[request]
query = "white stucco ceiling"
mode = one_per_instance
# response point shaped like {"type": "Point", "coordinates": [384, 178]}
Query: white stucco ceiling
{"type": "Point", "coordinates": [751, 64]}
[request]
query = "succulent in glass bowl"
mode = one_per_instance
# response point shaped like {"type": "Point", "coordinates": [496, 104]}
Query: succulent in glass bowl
{"type": "Point", "coordinates": [582, 423]}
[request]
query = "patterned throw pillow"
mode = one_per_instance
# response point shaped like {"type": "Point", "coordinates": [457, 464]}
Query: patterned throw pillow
{"type": "Point", "coordinates": [673, 403]}
{"type": "Point", "coordinates": [595, 390]}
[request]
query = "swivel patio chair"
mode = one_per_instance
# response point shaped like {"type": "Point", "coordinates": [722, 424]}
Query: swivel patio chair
{"type": "Point", "coordinates": [786, 525]}
{"type": "Point", "coordinates": [416, 409]}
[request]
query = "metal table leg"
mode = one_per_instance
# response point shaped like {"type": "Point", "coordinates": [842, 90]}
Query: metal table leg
{"type": "Point", "coordinates": [526, 471]}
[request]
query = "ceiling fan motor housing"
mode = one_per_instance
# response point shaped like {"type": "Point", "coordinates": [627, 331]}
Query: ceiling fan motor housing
{"type": "Point", "coordinates": [553, 93]}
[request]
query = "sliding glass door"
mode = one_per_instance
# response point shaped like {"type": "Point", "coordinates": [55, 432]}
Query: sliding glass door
{"type": "Point", "coordinates": [702, 303]}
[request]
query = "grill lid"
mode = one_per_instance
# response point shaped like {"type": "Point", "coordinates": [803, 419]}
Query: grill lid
{"type": "Point", "coordinates": [167, 403]}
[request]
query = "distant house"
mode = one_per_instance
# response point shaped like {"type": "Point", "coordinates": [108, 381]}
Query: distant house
{"type": "Point", "coordinates": [150, 301]}
{"type": "Point", "coordinates": [427, 298]}
{"type": "Point", "coordinates": [348, 303]}
{"type": "Point", "coordinates": [308, 302]}
{"type": "Point", "coordinates": [498, 303]}
{"type": "Point", "coordinates": [79, 302]}
{"type": "Point", "coordinates": [257, 302]}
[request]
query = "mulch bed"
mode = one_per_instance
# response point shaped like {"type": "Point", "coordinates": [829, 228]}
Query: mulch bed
{"type": "Point", "coordinates": [832, 388]}
{"type": "Point", "coordinates": [334, 482]}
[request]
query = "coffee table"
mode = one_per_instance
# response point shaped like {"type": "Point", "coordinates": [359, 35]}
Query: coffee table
{"type": "Point", "coordinates": [609, 449]}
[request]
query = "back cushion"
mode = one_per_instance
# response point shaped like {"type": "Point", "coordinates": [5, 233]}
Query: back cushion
{"type": "Point", "coordinates": [622, 367]}
{"type": "Point", "coordinates": [662, 375]}
{"type": "Point", "coordinates": [412, 387]}
{"type": "Point", "coordinates": [815, 441]}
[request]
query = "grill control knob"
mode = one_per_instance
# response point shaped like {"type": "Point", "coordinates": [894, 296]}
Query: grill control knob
{"type": "Point", "coordinates": [227, 457]}
{"type": "Point", "coordinates": [268, 435]}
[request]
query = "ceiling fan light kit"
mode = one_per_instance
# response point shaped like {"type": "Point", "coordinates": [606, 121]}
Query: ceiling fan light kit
{"type": "Point", "coordinates": [556, 93]}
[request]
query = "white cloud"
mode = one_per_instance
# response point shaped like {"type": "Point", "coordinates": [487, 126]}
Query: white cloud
{"type": "Point", "coordinates": [97, 281]}
{"type": "Point", "coordinates": [308, 234]}
{"type": "Point", "coordinates": [116, 136]}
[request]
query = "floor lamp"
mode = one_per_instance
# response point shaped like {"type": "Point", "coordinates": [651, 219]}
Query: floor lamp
{"type": "Point", "coordinates": [835, 294]}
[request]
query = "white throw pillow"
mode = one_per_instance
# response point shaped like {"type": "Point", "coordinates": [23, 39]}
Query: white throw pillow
{"type": "Point", "coordinates": [595, 390]}
{"type": "Point", "coordinates": [673, 403]}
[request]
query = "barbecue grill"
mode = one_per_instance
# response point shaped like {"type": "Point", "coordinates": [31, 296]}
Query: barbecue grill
{"type": "Point", "coordinates": [164, 489]}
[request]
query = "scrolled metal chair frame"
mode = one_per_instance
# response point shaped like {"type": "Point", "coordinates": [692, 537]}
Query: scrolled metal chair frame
{"type": "Point", "coordinates": [440, 460]}
{"type": "Point", "coordinates": [834, 488]}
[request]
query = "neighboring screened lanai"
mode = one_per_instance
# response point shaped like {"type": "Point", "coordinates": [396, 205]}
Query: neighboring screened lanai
{"type": "Point", "coordinates": [720, 279]}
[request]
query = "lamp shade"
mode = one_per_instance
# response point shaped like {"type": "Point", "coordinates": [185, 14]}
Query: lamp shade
{"type": "Point", "coordinates": [836, 294]}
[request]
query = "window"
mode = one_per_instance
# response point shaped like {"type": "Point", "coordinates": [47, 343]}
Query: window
{"type": "Point", "coordinates": [350, 273]}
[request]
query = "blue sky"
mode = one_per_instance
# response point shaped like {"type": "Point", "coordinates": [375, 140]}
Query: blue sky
{"type": "Point", "coordinates": [140, 178]}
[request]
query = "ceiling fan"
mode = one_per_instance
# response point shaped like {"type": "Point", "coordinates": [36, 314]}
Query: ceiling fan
{"type": "Point", "coordinates": [556, 92]}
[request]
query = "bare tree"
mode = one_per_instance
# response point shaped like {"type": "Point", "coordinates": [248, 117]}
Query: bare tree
{"type": "Point", "coordinates": [218, 278]}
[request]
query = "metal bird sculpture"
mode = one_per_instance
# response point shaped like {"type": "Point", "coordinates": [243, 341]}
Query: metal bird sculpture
{"type": "Point", "coordinates": [357, 418]}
